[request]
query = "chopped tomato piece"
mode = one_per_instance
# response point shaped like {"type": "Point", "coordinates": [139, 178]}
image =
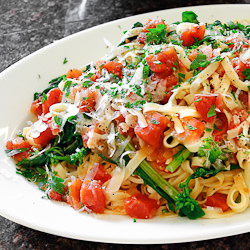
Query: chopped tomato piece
{"type": "Point", "coordinates": [193, 130]}
{"type": "Point", "coordinates": [220, 125]}
{"type": "Point", "coordinates": [112, 67]}
{"type": "Point", "coordinates": [203, 104]}
{"type": "Point", "coordinates": [36, 107]}
{"type": "Point", "coordinates": [18, 143]}
{"type": "Point", "coordinates": [47, 135]}
{"type": "Point", "coordinates": [153, 133]}
{"type": "Point", "coordinates": [239, 66]}
{"type": "Point", "coordinates": [89, 101]}
{"type": "Point", "coordinates": [238, 116]}
{"type": "Point", "coordinates": [101, 174]}
{"type": "Point", "coordinates": [150, 24]}
{"type": "Point", "coordinates": [74, 73]}
{"type": "Point", "coordinates": [74, 194]}
{"type": "Point", "coordinates": [219, 104]}
{"type": "Point", "coordinates": [140, 206]}
{"type": "Point", "coordinates": [237, 44]}
{"type": "Point", "coordinates": [92, 196]}
{"type": "Point", "coordinates": [243, 97]}
{"type": "Point", "coordinates": [163, 62]}
{"type": "Point", "coordinates": [217, 200]}
{"type": "Point", "coordinates": [53, 96]}
{"type": "Point", "coordinates": [190, 35]}
{"type": "Point", "coordinates": [57, 196]}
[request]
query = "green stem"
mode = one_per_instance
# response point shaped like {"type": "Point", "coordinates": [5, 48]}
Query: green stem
{"type": "Point", "coordinates": [181, 156]}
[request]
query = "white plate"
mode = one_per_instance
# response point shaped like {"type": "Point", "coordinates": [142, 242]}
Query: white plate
{"type": "Point", "coordinates": [21, 201]}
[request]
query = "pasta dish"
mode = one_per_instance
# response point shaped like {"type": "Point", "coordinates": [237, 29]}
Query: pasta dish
{"type": "Point", "coordinates": [158, 127]}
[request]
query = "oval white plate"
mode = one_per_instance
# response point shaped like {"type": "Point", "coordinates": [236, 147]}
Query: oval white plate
{"type": "Point", "coordinates": [21, 201]}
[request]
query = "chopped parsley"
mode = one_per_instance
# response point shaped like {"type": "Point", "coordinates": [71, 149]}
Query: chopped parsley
{"type": "Point", "coordinates": [190, 17]}
{"type": "Point", "coordinates": [190, 127]}
{"type": "Point", "coordinates": [65, 60]}
{"type": "Point", "coordinates": [199, 61]}
{"type": "Point", "coordinates": [153, 121]}
{"type": "Point", "coordinates": [211, 111]}
{"type": "Point", "coordinates": [157, 35]}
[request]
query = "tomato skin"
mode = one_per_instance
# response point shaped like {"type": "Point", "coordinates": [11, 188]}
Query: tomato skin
{"type": "Point", "coordinates": [74, 194]}
{"type": "Point", "coordinates": [53, 96]}
{"type": "Point", "coordinates": [50, 133]}
{"type": "Point", "coordinates": [190, 136]}
{"type": "Point", "coordinates": [166, 59]}
{"type": "Point", "coordinates": [89, 101]}
{"type": "Point", "coordinates": [240, 114]}
{"type": "Point", "coordinates": [217, 200]}
{"type": "Point", "coordinates": [219, 104]}
{"type": "Point", "coordinates": [112, 67]}
{"type": "Point", "coordinates": [16, 144]}
{"type": "Point", "coordinates": [139, 206]}
{"type": "Point", "coordinates": [196, 32]}
{"type": "Point", "coordinates": [239, 66]}
{"type": "Point", "coordinates": [36, 107]}
{"type": "Point", "coordinates": [57, 196]}
{"type": "Point", "coordinates": [92, 196]}
{"type": "Point", "coordinates": [237, 44]}
{"type": "Point", "coordinates": [153, 133]}
{"type": "Point", "coordinates": [101, 174]}
{"type": "Point", "coordinates": [222, 124]}
{"type": "Point", "coordinates": [74, 73]}
{"type": "Point", "coordinates": [204, 105]}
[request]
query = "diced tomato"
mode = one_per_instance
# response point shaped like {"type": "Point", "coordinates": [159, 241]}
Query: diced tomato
{"type": "Point", "coordinates": [208, 51]}
{"type": "Point", "coordinates": [139, 206]}
{"type": "Point", "coordinates": [53, 96]}
{"type": "Point", "coordinates": [150, 24]}
{"type": "Point", "coordinates": [92, 196]}
{"type": "Point", "coordinates": [112, 67]}
{"type": "Point", "coordinates": [217, 200]}
{"type": "Point", "coordinates": [74, 73]}
{"type": "Point", "coordinates": [193, 130]}
{"type": "Point", "coordinates": [239, 66]}
{"type": "Point", "coordinates": [163, 61]}
{"type": "Point", "coordinates": [142, 37]}
{"type": "Point", "coordinates": [36, 107]}
{"type": "Point", "coordinates": [18, 143]}
{"type": "Point", "coordinates": [221, 125]}
{"type": "Point", "coordinates": [219, 104]}
{"type": "Point", "coordinates": [203, 104]}
{"type": "Point", "coordinates": [57, 196]}
{"type": "Point", "coordinates": [101, 174]}
{"type": "Point", "coordinates": [190, 35]}
{"type": "Point", "coordinates": [153, 133]}
{"type": "Point", "coordinates": [50, 133]}
{"type": "Point", "coordinates": [89, 101]}
{"type": "Point", "coordinates": [237, 44]}
{"type": "Point", "coordinates": [74, 194]}
{"type": "Point", "coordinates": [238, 116]}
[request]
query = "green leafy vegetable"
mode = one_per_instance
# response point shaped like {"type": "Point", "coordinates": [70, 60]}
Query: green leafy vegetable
{"type": "Point", "coordinates": [157, 35]}
{"type": "Point", "coordinates": [154, 122]}
{"type": "Point", "coordinates": [189, 16]}
{"type": "Point", "coordinates": [199, 61]}
{"type": "Point", "coordinates": [190, 127]}
{"type": "Point", "coordinates": [211, 111]}
{"type": "Point", "coordinates": [11, 152]}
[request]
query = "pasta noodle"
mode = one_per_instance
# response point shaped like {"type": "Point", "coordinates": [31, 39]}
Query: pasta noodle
{"type": "Point", "coordinates": [160, 126]}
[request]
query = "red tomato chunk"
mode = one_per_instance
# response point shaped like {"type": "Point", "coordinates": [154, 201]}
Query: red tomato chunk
{"type": "Point", "coordinates": [196, 32]}
{"type": "Point", "coordinates": [217, 200]}
{"type": "Point", "coordinates": [74, 194]}
{"type": "Point", "coordinates": [112, 67]}
{"type": "Point", "coordinates": [153, 133]}
{"type": "Point", "coordinates": [139, 206]}
{"type": "Point", "coordinates": [92, 196]}
{"type": "Point", "coordinates": [53, 96]}
{"type": "Point", "coordinates": [163, 61]}
{"type": "Point", "coordinates": [57, 196]}
{"type": "Point", "coordinates": [18, 143]}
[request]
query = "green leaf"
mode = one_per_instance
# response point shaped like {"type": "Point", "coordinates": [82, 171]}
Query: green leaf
{"type": "Point", "coordinates": [216, 128]}
{"type": "Point", "coordinates": [137, 24]}
{"type": "Point", "coordinates": [211, 112]}
{"type": "Point", "coordinates": [189, 16]}
{"type": "Point", "coordinates": [199, 61]}
{"type": "Point", "coordinates": [44, 98]}
{"type": "Point", "coordinates": [154, 122]}
{"type": "Point", "coordinates": [190, 127]}
{"type": "Point", "coordinates": [65, 60]}
{"type": "Point", "coordinates": [198, 99]}
{"type": "Point", "coordinates": [246, 73]}
{"type": "Point", "coordinates": [11, 152]}
{"type": "Point", "coordinates": [146, 71]}
{"type": "Point", "coordinates": [157, 35]}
